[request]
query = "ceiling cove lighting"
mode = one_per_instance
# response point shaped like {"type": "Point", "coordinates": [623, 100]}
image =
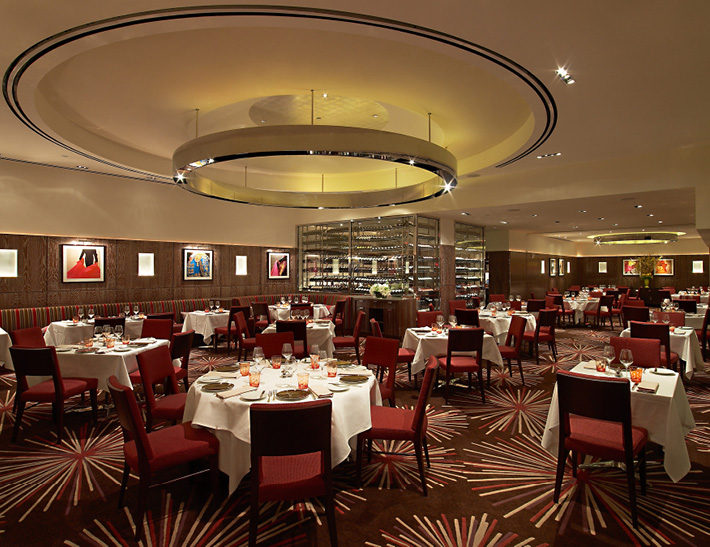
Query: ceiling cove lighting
{"type": "Point", "coordinates": [549, 155]}
{"type": "Point", "coordinates": [312, 141]}
{"type": "Point", "coordinates": [635, 238]}
{"type": "Point", "coordinates": [565, 76]}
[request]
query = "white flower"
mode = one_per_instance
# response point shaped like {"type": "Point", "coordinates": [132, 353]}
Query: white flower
{"type": "Point", "coordinates": [380, 289]}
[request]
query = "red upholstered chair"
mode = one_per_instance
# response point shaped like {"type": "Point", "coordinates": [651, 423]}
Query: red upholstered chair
{"type": "Point", "coordinates": [382, 352]}
{"type": "Point", "coordinates": [475, 302]}
{"type": "Point", "coordinates": [535, 305]}
{"type": "Point", "coordinates": [302, 308]}
{"type": "Point", "coordinates": [156, 367]}
{"type": "Point", "coordinates": [602, 430]}
{"type": "Point", "coordinates": [273, 342]}
{"type": "Point", "coordinates": [513, 345]}
{"type": "Point", "coordinates": [426, 318]}
{"type": "Point", "coordinates": [646, 351]}
{"type": "Point", "coordinates": [300, 341]}
{"type": "Point", "coordinates": [30, 337]}
{"type": "Point", "coordinates": [351, 341]}
{"type": "Point", "coordinates": [557, 301]}
{"type": "Point", "coordinates": [261, 309]}
{"type": "Point", "coordinates": [617, 308]}
{"type": "Point", "coordinates": [467, 317]}
{"type": "Point", "coordinates": [596, 294]}
{"type": "Point", "coordinates": [659, 331]}
{"type": "Point", "coordinates": [516, 305]}
{"type": "Point", "coordinates": [112, 322]}
{"type": "Point", "coordinates": [43, 362]}
{"type": "Point", "coordinates": [675, 318]}
{"type": "Point", "coordinates": [634, 313]}
{"type": "Point", "coordinates": [464, 340]}
{"type": "Point", "coordinates": [162, 329]}
{"type": "Point", "coordinates": [603, 312]}
{"type": "Point", "coordinates": [669, 289]}
{"type": "Point", "coordinates": [703, 336]}
{"type": "Point", "coordinates": [496, 298]}
{"type": "Point", "coordinates": [148, 453]}
{"type": "Point", "coordinates": [180, 347]}
{"type": "Point", "coordinates": [401, 424]}
{"type": "Point", "coordinates": [291, 457]}
{"type": "Point", "coordinates": [688, 306]}
{"type": "Point", "coordinates": [244, 341]}
{"type": "Point", "coordinates": [544, 332]}
{"type": "Point", "coordinates": [456, 305]}
{"type": "Point", "coordinates": [404, 355]}
{"type": "Point", "coordinates": [229, 331]}
{"type": "Point", "coordinates": [632, 302]}
{"type": "Point", "coordinates": [338, 316]}
{"type": "Point", "coordinates": [177, 327]}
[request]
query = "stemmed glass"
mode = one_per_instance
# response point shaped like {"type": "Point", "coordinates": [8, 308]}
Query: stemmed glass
{"type": "Point", "coordinates": [107, 331]}
{"type": "Point", "coordinates": [91, 313]}
{"type": "Point", "coordinates": [666, 318]}
{"type": "Point", "coordinates": [97, 332]}
{"type": "Point", "coordinates": [136, 310]}
{"type": "Point", "coordinates": [287, 352]}
{"type": "Point", "coordinates": [211, 305]}
{"type": "Point", "coordinates": [440, 321]}
{"type": "Point", "coordinates": [126, 310]}
{"type": "Point", "coordinates": [216, 304]}
{"type": "Point", "coordinates": [283, 300]}
{"type": "Point", "coordinates": [118, 330]}
{"type": "Point", "coordinates": [608, 355]}
{"type": "Point", "coordinates": [258, 355]}
{"type": "Point", "coordinates": [452, 320]}
{"type": "Point", "coordinates": [626, 358]}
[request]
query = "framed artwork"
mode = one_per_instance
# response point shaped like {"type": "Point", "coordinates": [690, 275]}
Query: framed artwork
{"type": "Point", "coordinates": [665, 266]}
{"type": "Point", "coordinates": [553, 267]}
{"type": "Point", "coordinates": [602, 267]}
{"type": "Point", "coordinates": [278, 264]}
{"type": "Point", "coordinates": [630, 266]}
{"type": "Point", "coordinates": [697, 266]}
{"type": "Point", "coordinates": [197, 264]}
{"type": "Point", "coordinates": [83, 263]}
{"type": "Point", "coordinates": [8, 263]}
{"type": "Point", "coordinates": [560, 266]}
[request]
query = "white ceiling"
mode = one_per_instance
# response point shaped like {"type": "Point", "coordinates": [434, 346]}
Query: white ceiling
{"type": "Point", "coordinates": [128, 97]}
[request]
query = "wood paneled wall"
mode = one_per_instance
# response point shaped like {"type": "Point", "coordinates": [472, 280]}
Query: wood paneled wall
{"type": "Point", "coordinates": [39, 281]}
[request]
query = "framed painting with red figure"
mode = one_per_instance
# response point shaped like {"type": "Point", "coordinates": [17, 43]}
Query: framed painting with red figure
{"type": "Point", "coordinates": [630, 267]}
{"type": "Point", "coordinates": [83, 263]}
{"type": "Point", "coordinates": [278, 264]}
{"type": "Point", "coordinates": [664, 266]}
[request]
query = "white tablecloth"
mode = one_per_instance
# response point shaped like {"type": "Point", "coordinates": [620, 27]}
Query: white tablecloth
{"type": "Point", "coordinates": [282, 313]}
{"type": "Point", "coordinates": [61, 333]}
{"type": "Point", "coordinates": [204, 323]}
{"type": "Point", "coordinates": [499, 325]}
{"type": "Point", "coordinates": [580, 306]}
{"type": "Point", "coordinates": [5, 344]}
{"type": "Point", "coordinates": [666, 415]}
{"type": "Point", "coordinates": [229, 418]}
{"type": "Point", "coordinates": [685, 343]}
{"type": "Point", "coordinates": [703, 297]}
{"type": "Point", "coordinates": [426, 346]}
{"type": "Point", "coordinates": [316, 333]}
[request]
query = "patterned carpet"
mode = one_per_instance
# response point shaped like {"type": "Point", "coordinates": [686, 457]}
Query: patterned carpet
{"type": "Point", "coordinates": [490, 481]}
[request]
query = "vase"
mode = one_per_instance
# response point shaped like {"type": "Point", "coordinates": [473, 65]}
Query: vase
{"type": "Point", "coordinates": [646, 280]}
{"type": "Point", "coordinates": [378, 295]}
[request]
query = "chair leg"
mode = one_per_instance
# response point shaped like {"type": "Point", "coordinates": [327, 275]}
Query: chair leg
{"type": "Point", "coordinates": [357, 353]}
{"type": "Point", "coordinates": [631, 480]}
{"type": "Point", "coordinates": [520, 367]}
{"type": "Point", "coordinates": [488, 374]}
{"type": "Point", "coordinates": [143, 489]}
{"type": "Point", "coordinates": [420, 464]}
{"type": "Point", "coordinates": [330, 515]}
{"type": "Point", "coordinates": [480, 385]}
{"type": "Point", "coordinates": [254, 512]}
{"type": "Point", "coordinates": [561, 461]}
{"type": "Point", "coordinates": [358, 461]}
{"type": "Point", "coordinates": [124, 484]}
{"type": "Point", "coordinates": [426, 451]}
{"type": "Point", "coordinates": [94, 406]}
{"type": "Point", "coordinates": [18, 419]}
{"type": "Point", "coordinates": [642, 470]}
{"type": "Point", "coordinates": [60, 420]}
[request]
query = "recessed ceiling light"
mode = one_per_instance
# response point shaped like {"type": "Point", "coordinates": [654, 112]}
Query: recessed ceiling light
{"type": "Point", "coordinates": [411, 162]}
{"type": "Point", "coordinates": [81, 167]}
{"type": "Point", "coordinates": [533, 215]}
{"type": "Point", "coordinates": [549, 155]}
{"type": "Point", "coordinates": [465, 214]}
{"type": "Point", "coordinates": [600, 218]}
{"type": "Point", "coordinates": [565, 76]}
{"type": "Point", "coordinates": [649, 215]}
{"type": "Point", "coordinates": [582, 211]}
{"type": "Point", "coordinates": [504, 222]}
{"type": "Point", "coordinates": [660, 222]}
{"type": "Point", "coordinates": [615, 224]}
{"type": "Point", "coordinates": [325, 95]}
{"type": "Point", "coordinates": [375, 115]}
{"type": "Point", "coordinates": [638, 206]}
{"type": "Point", "coordinates": [557, 222]}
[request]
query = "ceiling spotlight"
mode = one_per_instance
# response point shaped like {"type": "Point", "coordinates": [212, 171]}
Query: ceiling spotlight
{"type": "Point", "coordinates": [533, 215]}
{"type": "Point", "coordinates": [649, 215]}
{"type": "Point", "coordinates": [565, 76]}
{"type": "Point", "coordinates": [600, 218]}
{"type": "Point", "coordinates": [638, 206]}
{"type": "Point", "coordinates": [549, 155]}
{"type": "Point", "coordinates": [465, 214]}
{"type": "Point", "coordinates": [325, 95]}
{"type": "Point", "coordinates": [582, 211]}
{"type": "Point", "coordinates": [504, 222]}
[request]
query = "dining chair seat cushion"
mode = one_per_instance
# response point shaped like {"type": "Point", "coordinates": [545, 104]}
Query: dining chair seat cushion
{"type": "Point", "coordinates": [44, 391]}
{"type": "Point", "coordinates": [674, 359]}
{"type": "Point", "coordinates": [174, 445]}
{"type": "Point", "coordinates": [602, 438]}
{"type": "Point", "coordinates": [391, 423]}
{"type": "Point", "coordinates": [170, 407]}
{"type": "Point", "coordinates": [291, 477]}
{"type": "Point", "coordinates": [509, 352]}
{"type": "Point", "coordinates": [405, 355]}
{"type": "Point", "coordinates": [542, 336]}
{"type": "Point", "coordinates": [223, 330]}
{"type": "Point", "coordinates": [180, 373]}
{"type": "Point", "coordinates": [249, 343]}
{"type": "Point", "coordinates": [261, 324]}
{"type": "Point", "coordinates": [343, 341]}
{"type": "Point", "coordinates": [463, 363]}
{"type": "Point", "coordinates": [177, 327]}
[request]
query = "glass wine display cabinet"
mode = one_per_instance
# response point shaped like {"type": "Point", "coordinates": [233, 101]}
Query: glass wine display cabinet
{"type": "Point", "coordinates": [470, 263]}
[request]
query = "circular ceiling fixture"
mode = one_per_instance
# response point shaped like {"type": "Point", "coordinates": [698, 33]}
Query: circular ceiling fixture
{"type": "Point", "coordinates": [194, 161]}
{"type": "Point", "coordinates": [636, 238]}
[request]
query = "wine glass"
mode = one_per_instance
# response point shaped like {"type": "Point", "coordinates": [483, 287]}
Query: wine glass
{"type": "Point", "coordinates": [97, 332]}
{"type": "Point", "coordinates": [654, 317]}
{"type": "Point", "coordinates": [211, 305]}
{"type": "Point", "coordinates": [440, 320]}
{"type": "Point", "coordinates": [258, 355]}
{"type": "Point", "coordinates": [287, 352]}
{"type": "Point", "coordinates": [626, 358]}
{"type": "Point", "coordinates": [107, 331]}
{"type": "Point", "coordinates": [136, 310]}
{"type": "Point", "coordinates": [216, 304]}
{"type": "Point", "coordinates": [609, 355]}
{"type": "Point", "coordinates": [452, 320]}
{"type": "Point", "coordinates": [290, 299]}
{"type": "Point", "coordinates": [118, 330]}
{"type": "Point", "coordinates": [91, 313]}
{"type": "Point", "coordinates": [666, 318]}
{"type": "Point", "coordinates": [126, 310]}
{"type": "Point", "coordinates": [283, 300]}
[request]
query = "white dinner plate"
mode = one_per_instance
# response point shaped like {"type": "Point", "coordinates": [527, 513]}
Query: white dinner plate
{"type": "Point", "coordinates": [662, 372]}
{"type": "Point", "coordinates": [253, 395]}
{"type": "Point", "coordinates": [121, 350]}
{"type": "Point", "coordinates": [63, 349]}
{"type": "Point", "coordinates": [209, 380]}
{"type": "Point", "coordinates": [337, 387]}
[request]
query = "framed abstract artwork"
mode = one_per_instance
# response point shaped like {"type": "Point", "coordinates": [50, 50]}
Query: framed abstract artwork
{"type": "Point", "coordinates": [553, 267]}
{"type": "Point", "coordinates": [83, 263]}
{"type": "Point", "coordinates": [629, 265]}
{"type": "Point", "coordinates": [197, 264]}
{"type": "Point", "coordinates": [278, 264]}
{"type": "Point", "coordinates": [560, 266]}
{"type": "Point", "coordinates": [665, 266]}
{"type": "Point", "coordinates": [602, 267]}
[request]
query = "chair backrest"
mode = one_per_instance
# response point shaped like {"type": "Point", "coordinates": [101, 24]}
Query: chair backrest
{"type": "Point", "coordinates": [496, 298]}
{"type": "Point", "coordinates": [580, 395]}
{"type": "Point", "coordinates": [688, 306]}
{"type": "Point", "coordinates": [546, 319]}
{"type": "Point", "coordinates": [675, 318]}
{"type": "Point", "coordinates": [156, 367]}
{"type": "Point", "coordinates": [621, 300]}
{"type": "Point", "coordinates": [273, 342]}
{"type": "Point", "coordinates": [241, 323]}
{"type": "Point", "coordinates": [596, 294]}
{"type": "Point", "coordinates": [468, 340]}
{"type": "Point", "coordinates": [35, 361]}
{"type": "Point", "coordinates": [382, 352]}
{"type": "Point", "coordinates": [606, 303]}
{"type": "Point", "coordinates": [289, 429]}
{"type": "Point", "coordinates": [464, 316]}
{"type": "Point", "coordinates": [535, 304]}
{"type": "Point", "coordinates": [659, 331]}
{"type": "Point", "coordinates": [167, 315]}
{"type": "Point", "coordinates": [358, 326]}
{"type": "Point", "coordinates": [516, 305]}
{"type": "Point", "coordinates": [181, 345]}
{"type": "Point", "coordinates": [339, 310]}
{"type": "Point", "coordinates": [574, 288]}
{"type": "Point", "coordinates": [664, 294]}
{"type": "Point", "coordinates": [669, 289]}
{"type": "Point", "coordinates": [514, 337]}
{"type": "Point", "coordinates": [298, 328]}
{"type": "Point", "coordinates": [634, 313]}
{"type": "Point", "coordinates": [261, 308]}
{"type": "Point", "coordinates": [162, 329]}
{"type": "Point", "coordinates": [419, 418]}
{"type": "Point", "coordinates": [129, 416]}
{"type": "Point", "coordinates": [632, 302]}
{"type": "Point", "coordinates": [455, 305]}
{"type": "Point", "coordinates": [426, 318]}
{"type": "Point", "coordinates": [112, 321]}
{"type": "Point", "coordinates": [375, 328]}
{"type": "Point", "coordinates": [30, 337]}
{"type": "Point", "coordinates": [646, 351]}
{"type": "Point", "coordinates": [475, 302]}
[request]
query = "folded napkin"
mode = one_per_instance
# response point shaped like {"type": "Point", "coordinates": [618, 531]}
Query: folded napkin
{"type": "Point", "coordinates": [320, 392]}
{"type": "Point", "coordinates": [215, 374]}
{"type": "Point", "coordinates": [647, 387]}
{"type": "Point", "coordinates": [589, 365]}
{"type": "Point", "coordinates": [144, 341]}
{"type": "Point", "coordinates": [234, 392]}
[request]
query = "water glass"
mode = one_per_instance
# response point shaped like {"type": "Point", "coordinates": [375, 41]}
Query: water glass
{"type": "Point", "coordinates": [258, 354]}
{"type": "Point", "coordinates": [110, 342]}
{"type": "Point", "coordinates": [332, 369]}
{"type": "Point", "coordinates": [126, 339]}
{"type": "Point", "coordinates": [254, 377]}
{"type": "Point", "coordinates": [302, 380]}
{"type": "Point", "coordinates": [636, 374]}
{"type": "Point", "coordinates": [244, 368]}
{"type": "Point", "coordinates": [452, 320]}
{"type": "Point", "coordinates": [314, 353]}
{"type": "Point", "coordinates": [276, 362]}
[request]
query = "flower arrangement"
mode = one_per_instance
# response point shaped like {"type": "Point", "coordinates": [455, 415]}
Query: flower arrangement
{"type": "Point", "coordinates": [646, 267]}
{"type": "Point", "coordinates": [380, 290]}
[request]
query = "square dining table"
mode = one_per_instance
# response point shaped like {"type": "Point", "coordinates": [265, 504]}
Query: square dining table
{"type": "Point", "coordinates": [685, 343]}
{"type": "Point", "coordinates": [229, 418]}
{"type": "Point", "coordinates": [282, 312]}
{"type": "Point", "coordinates": [319, 332]}
{"type": "Point", "coordinates": [666, 415]}
{"type": "Point", "coordinates": [60, 333]}
{"type": "Point", "coordinates": [204, 323]}
{"type": "Point", "coordinates": [499, 324]}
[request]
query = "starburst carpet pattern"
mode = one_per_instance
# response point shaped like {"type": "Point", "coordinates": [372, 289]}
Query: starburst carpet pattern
{"type": "Point", "coordinates": [490, 482]}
